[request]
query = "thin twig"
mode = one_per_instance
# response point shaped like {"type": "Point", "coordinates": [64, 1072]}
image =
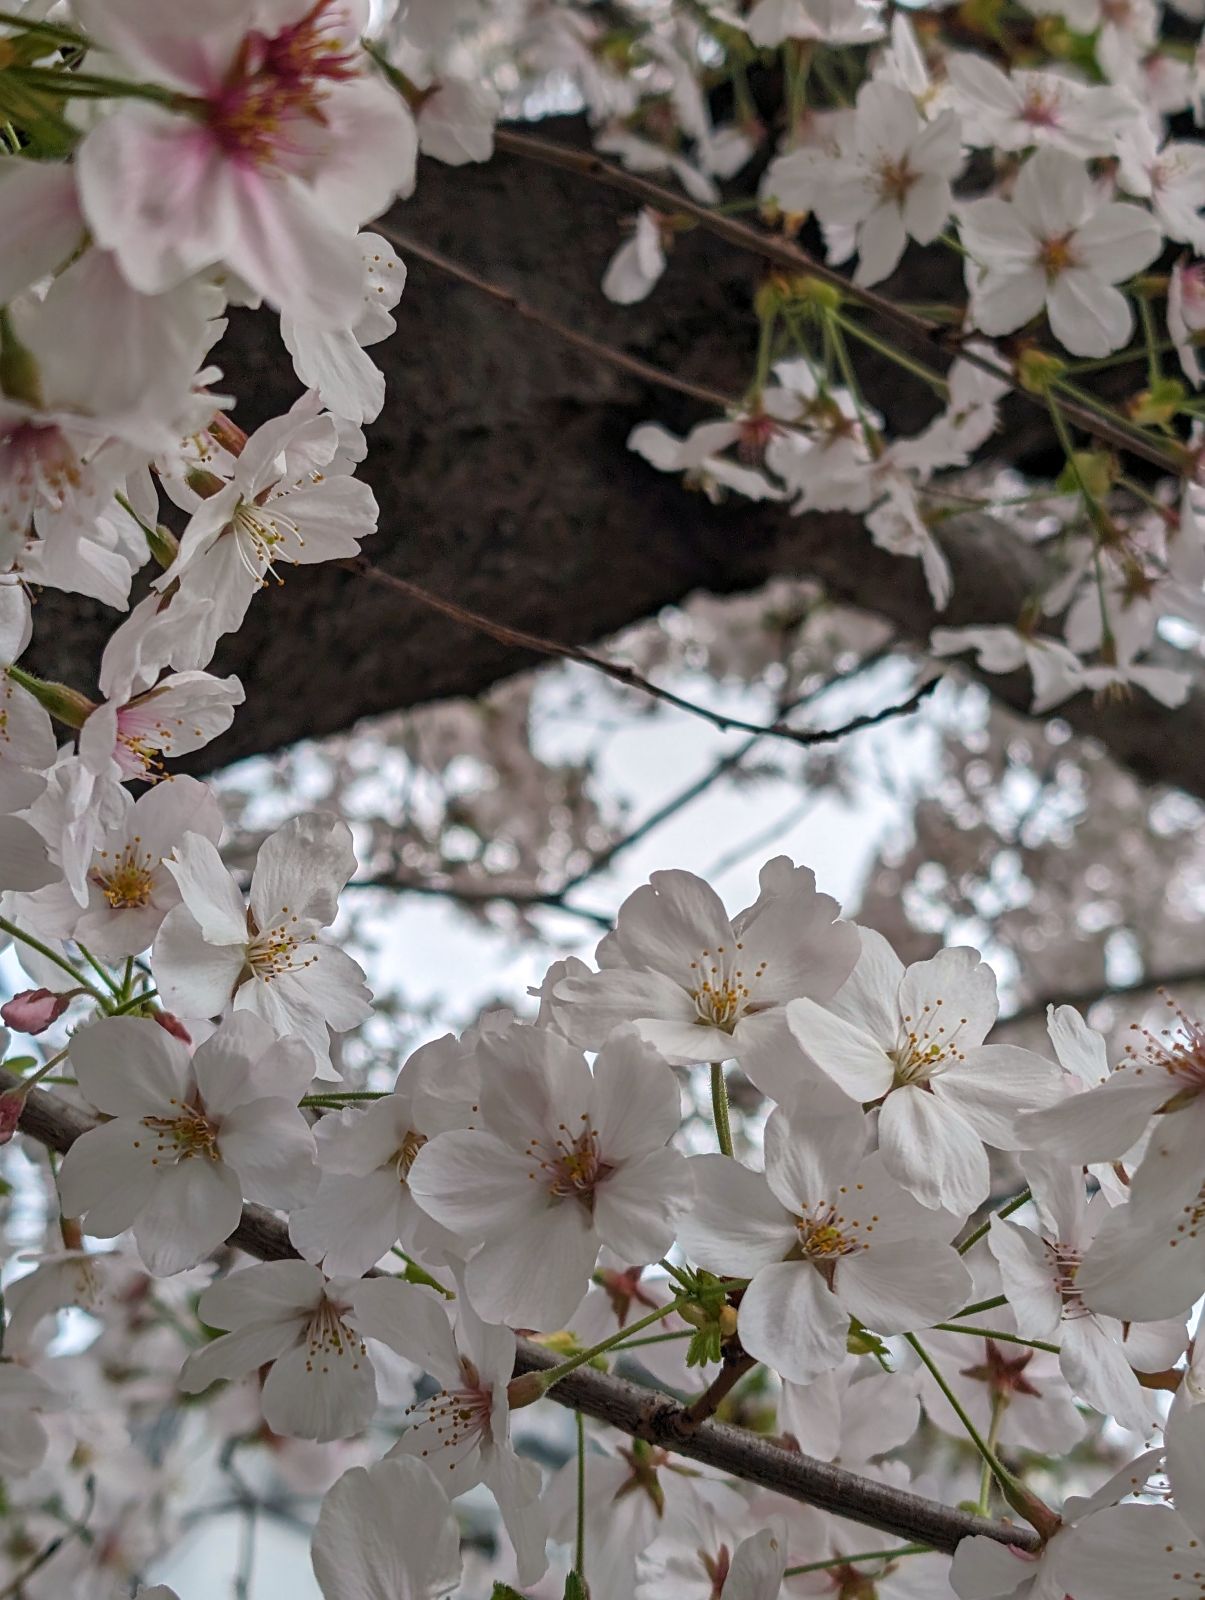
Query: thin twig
{"type": "Point", "coordinates": [793, 258]}
{"type": "Point", "coordinates": [638, 1411]}
{"type": "Point", "coordinates": [520, 639]}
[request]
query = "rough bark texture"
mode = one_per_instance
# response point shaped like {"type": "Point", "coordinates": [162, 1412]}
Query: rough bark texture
{"type": "Point", "coordinates": [504, 482]}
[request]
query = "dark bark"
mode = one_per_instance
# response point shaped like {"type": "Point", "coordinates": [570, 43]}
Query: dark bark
{"type": "Point", "coordinates": [505, 483]}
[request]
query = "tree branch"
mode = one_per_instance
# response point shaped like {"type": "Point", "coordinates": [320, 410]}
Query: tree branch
{"type": "Point", "coordinates": [643, 1413]}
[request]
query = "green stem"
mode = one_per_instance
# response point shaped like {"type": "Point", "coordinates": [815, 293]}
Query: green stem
{"type": "Point", "coordinates": [51, 955]}
{"type": "Point", "coordinates": [44, 30]}
{"type": "Point", "coordinates": [101, 972]}
{"type": "Point", "coordinates": [416, 1274]}
{"type": "Point", "coordinates": [999, 1404]}
{"type": "Point", "coordinates": [36, 1077]}
{"type": "Point", "coordinates": [997, 1468]}
{"type": "Point", "coordinates": [1121, 359]}
{"type": "Point", "coordinates": [997, 1334]}
{"type": "Point", "coordinates": [95, 86]}
{"type": "Point", "coordinates": [869, 1555]}
{"type": "Point", "coordinates": [981, 1305]}
{"type": "Point", "coordinates": [337, 1096]}
{"type": "Point", "coordinates": [656, 1338]}
{"type": "Point", "coordinates": [555, 1374]}
{"type": "Point", "coordinates": [909, 363]}
{"type": "Point", "coordinates": [1154, 371]}
{"type": "Point", "coordinates": [134, 1002]}
{"type": "Point", "coordinates": [719, 1108]}
{"type": "Point", "coordinates": [981, 1232]}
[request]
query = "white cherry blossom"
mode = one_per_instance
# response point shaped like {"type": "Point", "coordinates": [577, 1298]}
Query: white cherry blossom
{"type": "Point", "coordinates": [699, 985]}
{"type": "Point", "coordinates": [267, 956]}
{"type": "Point", "coordinates": [1056, 247]}
{"type": "Point", "coordinates": [912, 1039]}
{"type": "Point", "coordinates": [1012, 111]}
{"type": "Point", "coordinates": [386, 1532]}
{"type": "Point", "coordinates": [564, 1160]}
{"type": "Point", "coordinates": [189, 1139]}
{"type": "Point", "coordinates": [826, 1234]}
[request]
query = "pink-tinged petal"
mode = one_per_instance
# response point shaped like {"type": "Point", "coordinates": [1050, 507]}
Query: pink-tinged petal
{"type": "Point", "coordinates": [910, 1284]}
{"type": "Point", "coordinates": [160, 233]}
{"type": "Point", "coordinates": [808, 1159]}
{"type": "Point", "coordinates": [851, 1057]}
{"type": "Point", "coordinates": [472, 1183]}
{"type": "Point", "coordinates": [107, 1176]}
{"type": "Point", "coordinates": [1118, 241]}
{"type": "Point", "coordinates": [1029, 1279]}
{"type": "Point", "coordinates": [536, 1274]}
{"type": "Point", "coordinates": [791, 1320]}
{"type": "Point", "coordinates": [411, 1320]}
{"type": "Point", "coordinates": [734, 1224]}
{"type": "Point", "coordinates": [985, 1569]}
{"type": "Point", "coordinates": [39, 219]}
{"type": "Point", "coordinates": [268, 1144]}
{"type": "Point", "coordinates": [287, 248]}
{"type": "Point", "coordinates": [386, 1530]}
{"type": "Point", "coordinates": [234, 1354]}
{"type": "Point", "coordinates": [192, 1207]}
{"type": "Point", "coordinates": [128, 1067]}
{"type": "Point", "coordinates": [333, 517]}
{"type": "Point", "coordinates": [950, 999]}
{"type": "Point", "coordinates": [274, 1291]}
{"type": "Point", "coordinates": [194, 978]}
{"type": "Point", "coordinates": [300, 870]}
{"type": "Point", "coordinates": [635, 1210]}
{"type": "Point", "coordinates": [323, 1393]}
{"type": "Point", "coordinates": [1099, 1125]}
{"type": "Point", "coordinates": [190, 50]}
{"type": "Point", "coordinates": [993, 1084]}
{"type": "Point", "coordinates": [1088, 317]}
{"type": "Point", "coordinates": [932, 1152]}
{"type": "Point", "coordinates": [533, 1081]}
{"type": "Point", "coordinates": [636, 1105]}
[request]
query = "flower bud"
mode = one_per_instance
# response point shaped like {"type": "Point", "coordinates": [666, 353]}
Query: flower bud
{"type": "Point", "coordinates": [172, 1024]}
{"type": "Point", "coordinates": [11, 1107]}
{"type": "Point", "coordinates": [33, 1010]}
{"type": "Point", "coordinates": [526, 1389]}
{"type": "Point", "coordinates": [66, 705]}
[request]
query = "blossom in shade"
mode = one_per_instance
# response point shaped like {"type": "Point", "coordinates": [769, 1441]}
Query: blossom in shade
{"type": "Point", "coordinates": [386, 1532]}
{"type": "Point", "coordinates": [564, 1160]}
{"type": "Point", "coordinates": [189, 1137]}
{"type": "Point", "coordinates": [698, 984]}
{"type": "Point", "coordinates": [1055, 246]}
{"type": "Point", "coordinates": [462, 1431]}
{"type": "Point", "coordinates": [315, 1334]}
{"type": "Point", "coordinates": [267, 956]}
{"type": "Point", "coordinates": [710, 1557]}
{"type": "Point", "coordinates": [912, 1039]}
{"type": "Point", "coordinates": [1012, 111]}
{"type": "Point", "coordinates": [23, 1439]}
{"type": "Point", "coordinates": [181, 713]}
{"type": "Point", "coordinates": [824, 1235]}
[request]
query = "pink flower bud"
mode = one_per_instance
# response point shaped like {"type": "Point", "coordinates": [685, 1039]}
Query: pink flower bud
{"type": "Point", "coordinates": [172, 1025]}
{"type": "Point", "coordinates": [33, 1010]}
{"type": "Point", "coordinates": [11, 1107]}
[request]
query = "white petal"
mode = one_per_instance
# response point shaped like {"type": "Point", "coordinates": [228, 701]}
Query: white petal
{"type": "Point", "coordinates": [536, 1274]}
{"type": "Point", "coordinates": [789, 1319]}
{"type": "Point", "coordinates": [323, 1394]}
{"type": "Point", "coordinates": [192, 1207]}
{"type": "Point", "coordinates": [131, 1067]}
{"type": "Point", "coordinates": [993, 1085]}
{"type": "Point", "coordinates": [903, 1286]}
{"type": "Point", "coordinates": [854, 1061]}
{"type": "Point", "coordinates": [1087, 317]}
{"type": "Point", "coordinates": [735, 1224]}
{"type": "Point", "coordinates": [386, 1531]}
{"type": "Point", "coordinates": [929, 1149]}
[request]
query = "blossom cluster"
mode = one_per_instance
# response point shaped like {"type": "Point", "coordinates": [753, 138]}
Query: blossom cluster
{"type": "Point", "coordinates": [541, 1186]}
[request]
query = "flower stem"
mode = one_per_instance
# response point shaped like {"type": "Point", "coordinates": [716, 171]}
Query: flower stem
{"type": "Point", "coordinates": [990, 1458]}
{"type": "Point", "coordinates": [105, 976]}
{"type": "Point", "coordinates": [980, 1305]}
{"type": "Point", "coordinates": [869, 1555]}
{"type": "Point", "coordinates": [579, 1549]}
{"type": "Point", "coordinates": [997, 1335]}
{"type": "Point", "coordinates": [719, 1108]}
{"type": "Point", "coordinates": [999, 1403]}
{"type": "Point", "coordinates": [981, 1232]}
{"type": "Point", "coordinates": [555, 1374]}
{"type": "Point", "coordinates": [134, 1002]}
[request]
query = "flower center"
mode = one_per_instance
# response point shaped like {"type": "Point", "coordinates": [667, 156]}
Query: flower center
{"type": "Point", "coordinates": [127, 880]}
{"type": "Point", "coordinates": [273, 952]}
{"type": "Point", "coordinates": [826, 1234]}
{"type": "Point", "coordinates": [403, 1156]}
{"type": "Point", "coordinates": [262, 537]}
{"type": "Point", "coordinates": [925, 1043]}
{"type": "Point", "coordinates": [571, 1167]}
{"type": "Point", "coordinates": [1041, 108]}
{"type": "Point", "coordinates": [720, 991]}
{"type": "Point", "coordinates": [1055, 256]}
{"type": "Point", "coordinates": [458, 1419]}
{"type": "Point", "coordinates": [1180, 1053]}
{"type": "Point", "coordinates": [895, 179]}
{"type": "Point", "coordinates": [330, 1337]}
{"type": "Point", "coordinates": [189, 1134]}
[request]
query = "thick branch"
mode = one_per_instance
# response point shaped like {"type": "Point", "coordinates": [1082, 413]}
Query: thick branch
{"type": "Point", "coordinates": [642, 1413]}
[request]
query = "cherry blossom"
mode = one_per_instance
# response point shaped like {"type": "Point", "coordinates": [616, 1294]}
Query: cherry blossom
{"type": "Point", "coordinates": [1012, 111]}
{"type": "Point", "coordinates": [265, 957]}
{"type": "Point", "coordinates": [636, 266]}
{"type": "Point", "coordinates": [312, 1330]}
{"type": "Point", "coordinates": [565, 1160]}
{"type": "Point", "coordinates": [912, 1039]}
{"type": "Point", "coordinates": [23, 1439]}
{"type": "Point", "coordinates": [189, 1139]}
{"type": "Point", "coordinates": [1054, 246]}
{"type": "Point", "coordinates": [386, 1532]}
{"type": "Point", "coordinates": [267, 176]}
{"type": "Point", "coordinates": [736, 1568]}
{"type": "Point", "coordinates": [463, 1431]}
{"type": "Point", "coordinates": [698, 985]}
{"type": "Point", "coordinates": [804, 1232]}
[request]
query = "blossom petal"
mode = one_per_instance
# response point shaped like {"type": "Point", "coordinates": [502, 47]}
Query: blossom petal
{"type": "Point", "coordinates": [792, 1321]}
